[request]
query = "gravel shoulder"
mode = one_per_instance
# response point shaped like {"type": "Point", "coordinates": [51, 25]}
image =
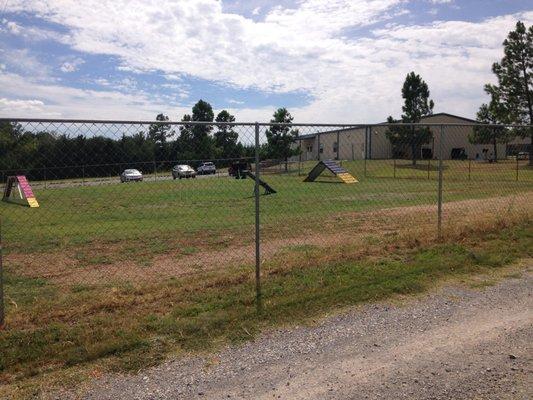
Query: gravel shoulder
{"type": "Point", "coordinates": [455, 343]}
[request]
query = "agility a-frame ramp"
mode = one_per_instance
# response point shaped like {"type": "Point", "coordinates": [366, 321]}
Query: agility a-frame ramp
{"type": "Point", "coordinates": [334, 168]}
{"type": "Point", "coordinates": [19, 185]}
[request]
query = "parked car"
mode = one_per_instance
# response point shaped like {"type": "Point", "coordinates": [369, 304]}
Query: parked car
{"type": "Point", "coordinates": [183, 171]}
{"type": "Point", "coordinates": [523, 155]}
{"type": "Point", "coordinates": [207, 168]}
{"type": "Point", "coordinates": [130, 175]}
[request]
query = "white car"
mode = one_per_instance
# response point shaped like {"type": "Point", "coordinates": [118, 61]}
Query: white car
{"type": "Point", "coordinates": [183, 171]}
{"type": "Point", "coordinates": [130, 175]}
{"type": "Point", "coordinates": [207, 168]}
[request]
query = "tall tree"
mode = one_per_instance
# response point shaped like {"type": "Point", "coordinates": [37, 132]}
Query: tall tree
{"type": "Point", "coordinates": [513, 91]}
{"type": "Point", "coordinates": [280, 138]}
{"type": "Point", "coordinates": [202, 141]}
{"type": "Point", "coordinates": [225, 136]}
{"type": "Point", "coordinates": [417, 104]}
{"type": "Point", "coordinates": [490, 114]}
{"type": "Point", "coordinates": [10, 136]}
{"type": "Point", "coordinates": [184, 146]}
{"type": "Point", "coordinates": [159, 133]}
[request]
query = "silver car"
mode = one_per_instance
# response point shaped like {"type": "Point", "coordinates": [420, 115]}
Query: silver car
{"type": "Point", "coordinates": [183, 171]}
{"type": "Point", "coordinates": [131, 175]}
{"type": "Point", "coordinates": [207, 168]}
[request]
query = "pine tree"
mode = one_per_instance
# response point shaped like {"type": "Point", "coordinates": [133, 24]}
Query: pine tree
{"type": "Point", "coordinates": [159, 133]}
{"type": "Point", "coordinates": [281, 137]}
{"type": "Point", "coordinates": [225, 136]}
{"type": "Point", "coordinates": [417, 104]}
{"type": "Point", "coordinates": [513, 92]}
{"type": "Point", "coordinates": [490, 114]}
{"type": "Point", "coordinates": [202, 141]}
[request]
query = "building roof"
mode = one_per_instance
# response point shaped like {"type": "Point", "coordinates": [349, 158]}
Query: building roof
{"type": "Point", "coordinates": [312, 135]}
{"type": "Point", "coordinates": [472, 121]}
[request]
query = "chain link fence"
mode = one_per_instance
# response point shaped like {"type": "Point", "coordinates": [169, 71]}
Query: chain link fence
{"type": "Point", "coordinates": [138, 220]}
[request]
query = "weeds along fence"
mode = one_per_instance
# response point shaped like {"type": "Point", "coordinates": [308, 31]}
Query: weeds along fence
{"type": "Point", "coordinates": [116, 257]}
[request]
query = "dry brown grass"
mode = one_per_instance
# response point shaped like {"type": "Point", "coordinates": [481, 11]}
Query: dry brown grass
{"type": "Point", "coordinates": [133, 312]}
{"type": "Point", "coordinates": [356, 232]}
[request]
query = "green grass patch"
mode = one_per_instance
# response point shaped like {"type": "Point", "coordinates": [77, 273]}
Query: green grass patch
{"type": "Point", "coordinates": [206, 210]}
{"type": "Point", "coordinates": [133, 326]}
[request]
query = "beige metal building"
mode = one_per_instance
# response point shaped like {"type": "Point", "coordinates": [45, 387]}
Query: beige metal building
{"type": "Point", "coordinates": [356, 143]}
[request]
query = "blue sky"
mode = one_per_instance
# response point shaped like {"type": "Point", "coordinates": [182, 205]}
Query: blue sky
{"type": "Point", "coordinates": [326, 60]}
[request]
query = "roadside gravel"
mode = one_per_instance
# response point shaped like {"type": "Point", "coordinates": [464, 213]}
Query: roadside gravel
{"type": "Point", "coordinates": [456, 343]}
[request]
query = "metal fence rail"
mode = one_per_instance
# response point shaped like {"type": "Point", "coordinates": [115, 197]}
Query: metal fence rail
{"type": "Point", "coordinates": [339, 189]}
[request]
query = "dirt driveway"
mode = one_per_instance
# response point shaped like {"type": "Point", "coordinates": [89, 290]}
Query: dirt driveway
{"type": "Point", "coordinates": [456, 343]}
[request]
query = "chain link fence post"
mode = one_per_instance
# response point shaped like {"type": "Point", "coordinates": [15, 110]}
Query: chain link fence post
{"type": "Point", "coordinates": [300, 158]}
{"type": "Point", "coordinates": [366, 150]}
{"type": "Point", "coordinates": [439, 195]}
{"type": "Point", "coordinates": [517, 167]}
{"type": "Point", "coordinates": [2, 310]}
{"type": "Point", "coordinates": [257, 226]}
{"type": "Point", "coordinates": [338, 145]}
{"type": "Point", "coordinates": [370, 143]}
{"type": "Point", "coordinates": [318, 147]}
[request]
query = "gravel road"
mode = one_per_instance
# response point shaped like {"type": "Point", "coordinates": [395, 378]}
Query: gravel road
{"type": "Point", "coordinates": [457, 343]}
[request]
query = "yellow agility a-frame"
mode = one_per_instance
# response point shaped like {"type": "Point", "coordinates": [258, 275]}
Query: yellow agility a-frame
{"type": "Point", "coordinates": [334, 168]}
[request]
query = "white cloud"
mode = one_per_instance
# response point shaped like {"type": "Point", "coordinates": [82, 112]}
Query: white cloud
{"type": "Point", "coordinates": [304, 48]}
{"type": "Point", "coordinates": [32, 32]}
{"type": "Point", "coordinates": [24, 62]}
{"type": "Point", "coordinates": [66, 102]}
{"type": "Point", "coordinates": [68, 67]}
{"type": "Point", "coordinates": [102, 82]}
{"type": "Point", "coordinates": [13, 27]}
{"type": "Point", "coordinates": [195, 37]}
{"type": "Point", "coordinates": [178, 90]}
{"type": "Point", "coordinates": [10, 107]}
{"type": "Point", "coordinates": [72, 65]}
{"type": "Point", "coordinates": [173, 77]}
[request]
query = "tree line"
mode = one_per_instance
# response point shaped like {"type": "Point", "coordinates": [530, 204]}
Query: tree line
{"type": "Point", "coordinates": [25, 149]}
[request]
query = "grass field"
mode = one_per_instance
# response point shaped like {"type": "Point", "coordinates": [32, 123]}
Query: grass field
{"type": "Point", "coordinates": [199, 208]}
{"type": "Point", "coordinates": [119, 276]}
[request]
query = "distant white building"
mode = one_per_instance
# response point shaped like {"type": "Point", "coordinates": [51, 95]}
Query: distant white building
{"type": "Point", "coordinates": [360, 143]}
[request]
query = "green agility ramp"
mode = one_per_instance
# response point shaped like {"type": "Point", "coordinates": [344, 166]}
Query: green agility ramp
{"type": "Point", "coordinates": [334, 168]}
